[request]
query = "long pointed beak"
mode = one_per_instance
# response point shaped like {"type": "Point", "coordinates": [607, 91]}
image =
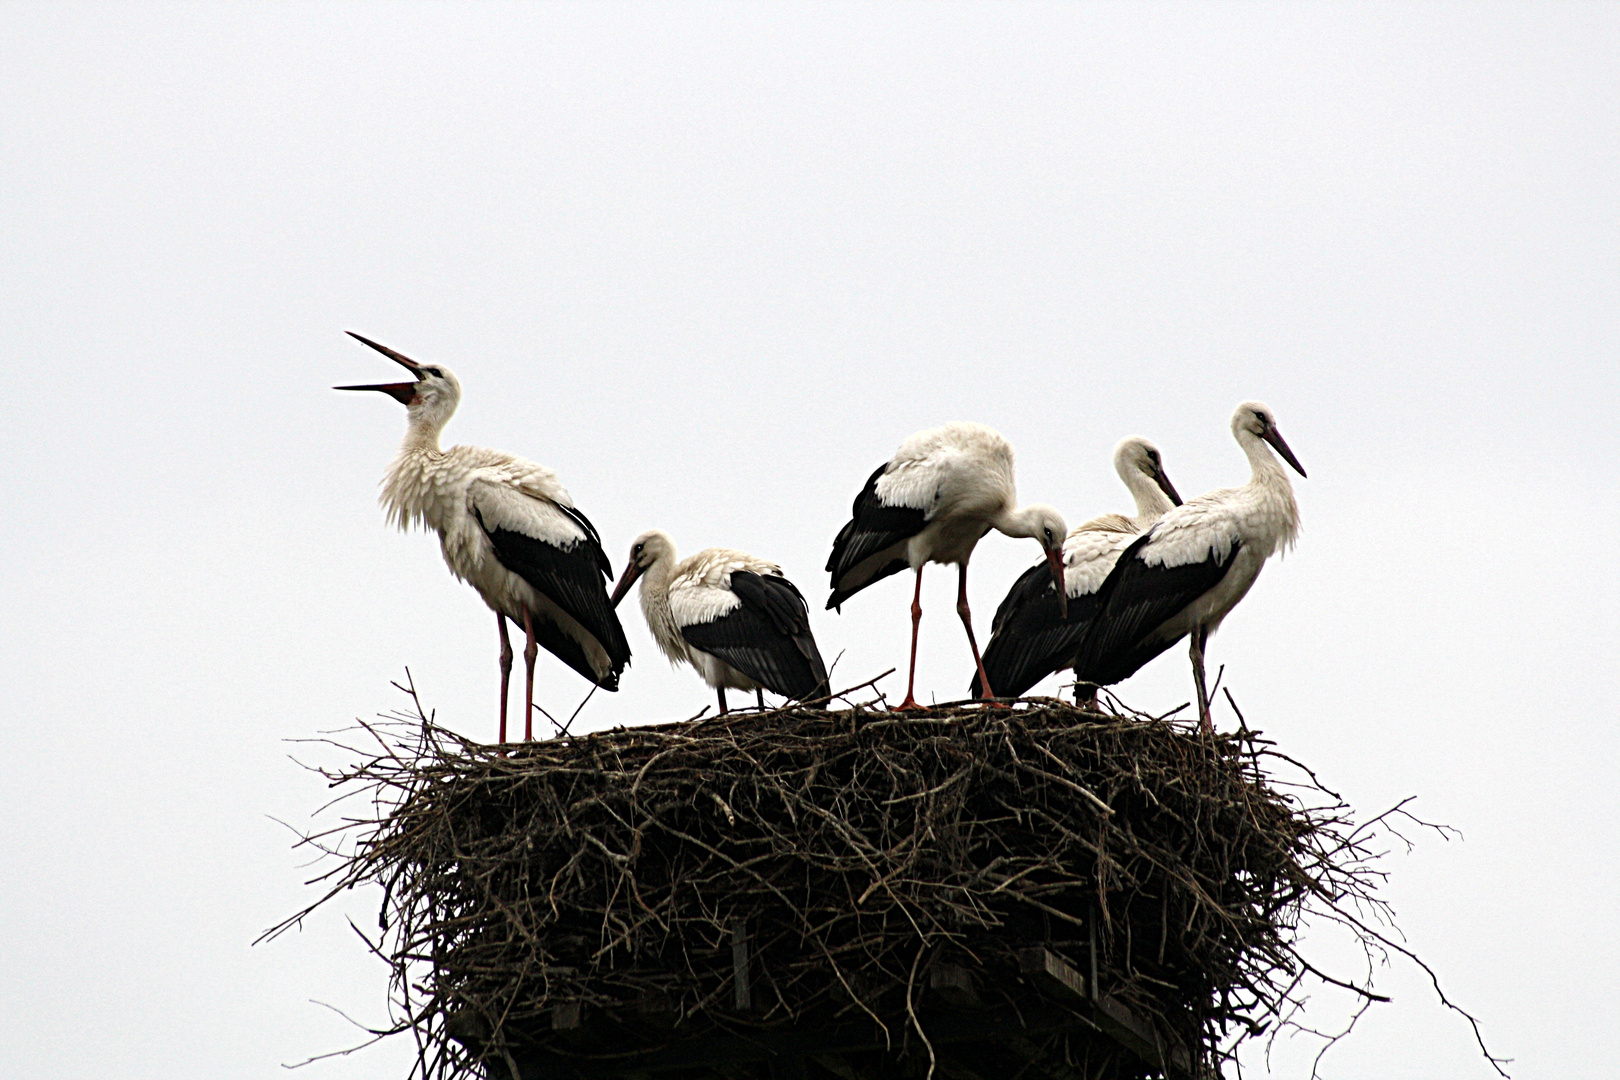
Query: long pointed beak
{"type": "Point", "coordinates": [1054, 562]}
{"type": "Point", "coordinates": [1169, 489]}
{"type": "Point", "coordinates": [399, 358]}
{"type": "Point", "coordinates": [627, 579]}
{"type": "Point", "coordinates": [1274, 437]}
{"type": "Point", "coordinates": [402, 392]}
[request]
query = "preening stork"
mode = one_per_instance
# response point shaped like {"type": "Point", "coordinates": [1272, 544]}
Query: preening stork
{"type": "Point", "coordinates": [507, 528]}
{"type": "Point", "coordinates": [932, 502]}
{"type": "Point", "coordinates": [1031, 638]}
{"type": "Point", "coordinates": [733, 617]}
{"type": "Point", "coordinates": [1191, 568]}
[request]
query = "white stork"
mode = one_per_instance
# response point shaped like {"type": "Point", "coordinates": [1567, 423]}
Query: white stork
{"type": "Point", "coordinates": [932, 502]}
{"type": "Point", "coordinates": [733, 617]}
{"type": "Point", "coordinates": [1190, 569]}
{"type": "Point", "coordinates": [1031, 638]}
{"type": "Point", "coordinates": [507, 528]}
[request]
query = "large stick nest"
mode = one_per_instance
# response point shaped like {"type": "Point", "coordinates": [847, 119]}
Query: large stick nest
{"type": "Point", "coordinates": [850, 853]}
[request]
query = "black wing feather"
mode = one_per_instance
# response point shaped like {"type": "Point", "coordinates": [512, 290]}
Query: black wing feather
{"type": "Point", "coordinates": [573, 579]}
{"type": "Point", "coordinates": [596, 540]}
{"type": "Point", "coordinates": [1136, 599]}
{"type": "Point", "coordinates": [873, 527]}
{"type": "Point", "coordinates": [768, 638]}
{"type": "Point", "coordinates": [1030, 638]}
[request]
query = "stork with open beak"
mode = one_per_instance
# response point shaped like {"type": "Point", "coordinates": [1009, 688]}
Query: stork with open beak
{"type": "Point", "coordinates": [509, 529]}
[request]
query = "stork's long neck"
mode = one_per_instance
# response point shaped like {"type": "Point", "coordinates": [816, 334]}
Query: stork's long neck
{"type": "Point", "coordinates": [409, 494]}
{"type": "Point", "coordinates": [1270, 487]}
{"type": "Point", "coordinates": [1151, 501]}
{"type": "Point", "coordinates": [1022, 522]}
{"type": "Point", "coordinates": [655, 606]}
{"type": "Point", "coordinates": [421, 435]}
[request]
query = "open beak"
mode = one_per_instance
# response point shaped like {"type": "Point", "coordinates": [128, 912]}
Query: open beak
{"type": "Point", "coordinates": [1274, 437]}
{"type": "Point", "coordinates": [1166, 486]}
{"type": "Point", "coordinates": [405, 392]}
{"type": "Point", "coordinates": [402, 392]}
{"type": "Point", "coordinates": [627, 579]}
{"type": "Point", "coordinates": [1054, 562]}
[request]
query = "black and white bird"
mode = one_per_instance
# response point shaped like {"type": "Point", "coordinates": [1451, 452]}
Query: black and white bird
{"type": "Point", "coordinates": [1186, 573]}
{"type": "Point", "coordinates": [508, 528]}
{"type": "Point", "coordinates": [733, 617]}
{"type": "Point", "coordinates": [932, 502]}
{"type": "Point", "coordinates": [1031, 637]}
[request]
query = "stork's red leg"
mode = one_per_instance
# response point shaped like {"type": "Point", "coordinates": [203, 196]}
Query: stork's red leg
{"type": "Point", "coordinates": [722, 692]}
{"type": "Point", "coordinates": [506, 669]}
{"type": "Point", "coordinates": [967, 622]}
{"type": "Point", "coordinates": [759, 695]}
{"type": "Point", "coordinates": [1197, 652]}
{"type": "Point", "coordinates": [916, 621]}
{"type": "Point", "coordinates": [530, 651]}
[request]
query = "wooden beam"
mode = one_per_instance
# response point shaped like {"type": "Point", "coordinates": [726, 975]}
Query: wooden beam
{"type": "Point", "coordinates": [953, 985]}
{"type": "Point", "coordinates": [1052, 973]}
{"type": "Point", "coordinates": [742, 997]}
{"type": "Point", "coordinates": [1057, 977]}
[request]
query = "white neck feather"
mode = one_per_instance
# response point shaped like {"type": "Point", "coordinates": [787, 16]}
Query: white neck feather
{"type": "Point", "coordinates": [1269, 480]}
{"type": "Point", "coordinates": [1151, 501]}
{"type": "Point", "coordinates": [1031, 521]}
{"type": "Point", "coordinates": [1021, 522]}
{"type": "Point", "coordinates": [655, 606]}
{"type": "Point", "coordinates": [1263, 464]}
{"type": "Point", "coordinates": [409, 494]}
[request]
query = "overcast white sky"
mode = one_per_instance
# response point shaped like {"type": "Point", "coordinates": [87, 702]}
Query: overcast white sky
{"type": "Point", "coordinates": [712, 263]}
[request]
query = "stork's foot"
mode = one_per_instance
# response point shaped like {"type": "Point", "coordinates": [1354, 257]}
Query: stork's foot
{"type": "Point", "coordinates": [910, 705]}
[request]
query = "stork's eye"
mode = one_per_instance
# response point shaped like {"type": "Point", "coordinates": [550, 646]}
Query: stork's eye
{"type": "Point", "coordinates": [435, 372]}
{"type": "Point", "coordinates": [1153, 456]}
{"type": "Point", "coordinates": [639, 548]}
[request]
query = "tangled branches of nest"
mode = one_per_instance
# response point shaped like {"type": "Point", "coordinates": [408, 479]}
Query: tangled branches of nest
{"type": "Point", "coordinates": [849, 853]}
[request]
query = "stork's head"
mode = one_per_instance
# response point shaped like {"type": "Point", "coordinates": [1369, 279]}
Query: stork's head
{"type": "Point", "coordinates": [645, 550]}
{"type": "Point", "coordinates": [1137, 457]}
{"type": "Point", "coordinates": [431, 397]}
{"type": "Point", "coordinates": [1255, 418]}
{"type": "Point", "coordinates": [1047, 526]}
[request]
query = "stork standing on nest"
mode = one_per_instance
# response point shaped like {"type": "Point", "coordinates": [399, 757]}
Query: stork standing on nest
{"type": "Point", "coordinates": [1031, 638]}
{"type": "Point", "coordinates": [932, 502]}
{"type": "Point", "coordinates": [1186, 573]}
{"type": "Point", "coordinates": [508, 528]}
{"type": "Point", "coordinates": [733, 617]}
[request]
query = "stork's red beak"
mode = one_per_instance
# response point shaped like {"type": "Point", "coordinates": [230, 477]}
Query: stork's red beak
{"type": "Point", "coordinates": [1054, 561]}
{"type": "Point", "coordinates": [1274, 437]}
{"type": "Point", "coordinates": [404, 393]}
{"type": "Point", "coordinates": [627, 579]}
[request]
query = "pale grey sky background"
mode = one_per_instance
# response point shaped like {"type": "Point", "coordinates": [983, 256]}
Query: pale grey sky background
{"type": "Point", "coordinates": [712, 263]}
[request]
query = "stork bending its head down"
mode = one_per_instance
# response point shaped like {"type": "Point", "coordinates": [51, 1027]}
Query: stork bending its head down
{"type": "Point", "coordinates": [1186, 573]}
{"type": "Point", "coordinates": [1031, 636]}
{"type": "Point", "coordinates": [509, 529]}
{"type": "Point", "coordinates": [932, 502]}
{"type": "Point", "coordinates": [733, 617]}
